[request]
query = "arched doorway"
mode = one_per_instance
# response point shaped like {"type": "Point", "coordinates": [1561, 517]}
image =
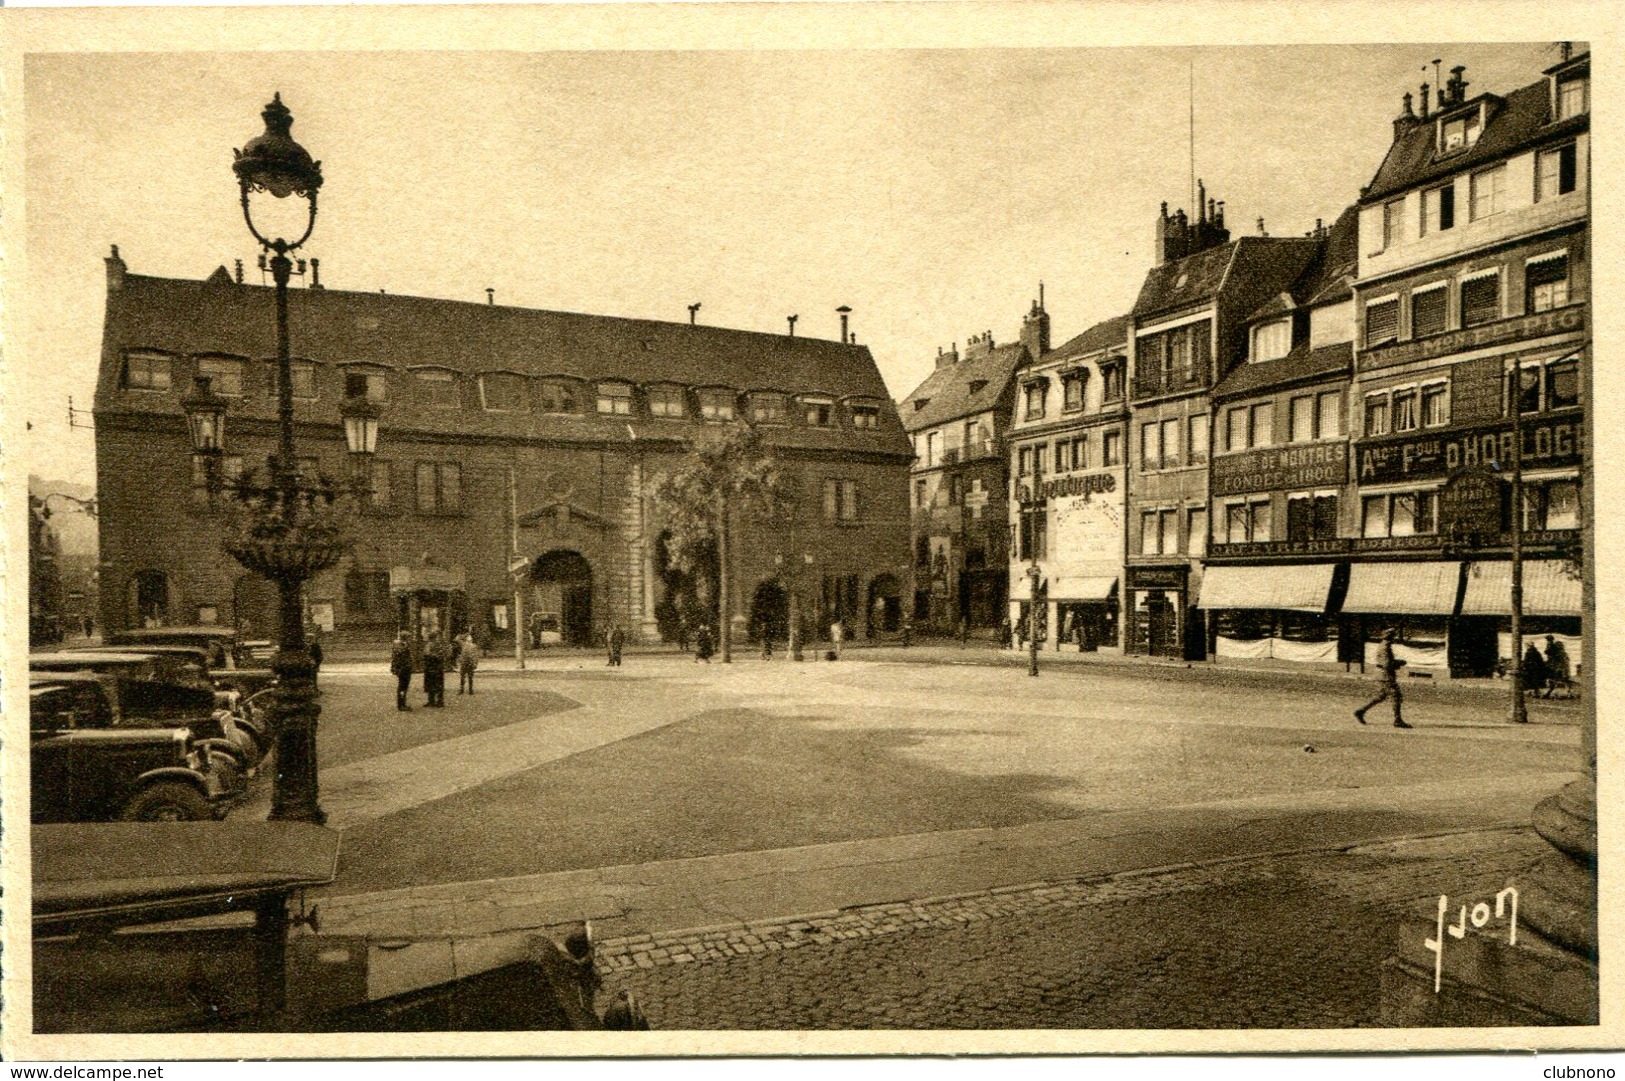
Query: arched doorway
{"type": "Point", "coordinates": [885, 604]}
{"type": "Point", "coordinates": [255, 606]}
{"type": "Point", "coordinates": [770, 606]}
{"type": "Point", "coordinates": [561, 592]}
{"type": "Point", "coordinates": [149, 599]}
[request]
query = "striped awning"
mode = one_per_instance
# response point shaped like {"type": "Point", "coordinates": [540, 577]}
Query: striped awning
{"type": "Point", "coordinates": [1083, 587]}
{"type": "Point", "coordinates": [1301, 588]}
{"type": "Point", "coordinates": [1408, 589]}
{"type": "Point", "coordinates": [1548, 589]}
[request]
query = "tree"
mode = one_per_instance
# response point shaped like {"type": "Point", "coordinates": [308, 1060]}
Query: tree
{"type": "Point", "coordinates": [729, 473]}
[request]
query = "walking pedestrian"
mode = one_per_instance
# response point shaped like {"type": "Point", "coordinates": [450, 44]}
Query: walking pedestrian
{"type": "Point", "coordinates": [434, 670]}
{"type": "Point", "coordinates": [468, 659]}
{"type": "Point", "coordinates": [400, 665]}
{"type": "Point", "coordinates": [702, 643]}
{"type": "Point", "coordinates": [1535, 676]}
{"type": "Point", "coordinates": [767, 640]}
{"type": "Point", "coordinates": [615, 640]}
{"type": "Point", "coordinates": [1388, 676]}
{"type": "Point", "coordinates": [1006, 635]}
{"type": "Point", "coordinates": [314, 646]}
{"type": "Point", "coordinates": [837, 635]}
{"type": "Point", "coordinates": [1559, 673]}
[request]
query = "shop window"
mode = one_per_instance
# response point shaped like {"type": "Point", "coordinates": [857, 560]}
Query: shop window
{"type": "Point", "coordinates": [1111, 448]}
{"type": "Point", "coordinates": [1546, 284]}
{"type": "Point", "coordinates": [225, 375]}
{"type": "Point", "coordinates": [1554, 505]}
{"type": "Point", "coordinates": [717, 404]}
{"type": "Point", "coordinates": [558, 397]}
{"type": "Point", "coordinates": [615, 399]}
{"type": "Point", "coordinates": [1382, 322]}
{"type": "Point", "coordinates": [439, 488]}
{"type": "Point", "coordinates": [1399, 514]}
{"type": "Point", "coordinates": [1489, 192]}
{"type": "Point", "coordinates": [1197, 441]}
{"type": "Point", "coordinates": [1438, 209]}
{"type": "Point", "coordinates": [146, 371]}
{"type": "Point", "coordinates": [366, 383]}
{"type": "Point", "coordinates": [767, 408]}
{"type": "Point", "coordinates": [667, 401]}
{"type": "Point", "coordinates": [503, 392]}
{"type": "Point", "coordinates": [1429, 311]}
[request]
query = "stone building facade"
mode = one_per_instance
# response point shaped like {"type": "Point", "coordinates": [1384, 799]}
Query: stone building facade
{"type": "Point", "coordinates": [498, 422]}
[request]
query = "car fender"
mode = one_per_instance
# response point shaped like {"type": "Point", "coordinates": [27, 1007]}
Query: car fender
{"type": "Point", "coordinates": [211, 792]}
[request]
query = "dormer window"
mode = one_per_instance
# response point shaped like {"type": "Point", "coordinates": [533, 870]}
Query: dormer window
{"type": "Point", "coordinates": [717, 404]}
{"type": "Point", "coordinates": [1033, 395]}
{"type": "Point", "coordinates": [866, 416]}
{"type": "Point", "coordinates": [767, 408]}
{"type": "Point", "coordinates": [921, 403]}
{"type": "Point", "coordinates": [666, 401]}
{"type": "Point", "coordinates": [557, 396]}
{"type": "Point", "coordinates": [1460, 132]}
{"type": "Point", "coordinates": [146, 371]}
{"type": "Point", "coordinates": [976, 385]}
{"type": "Point", "coordinates": [225, 375]}
{"type": "Point", "coordinates": [1573, 98]}
{"type": "Point", "coordinates": [503, 392]}
{"type": "Point", "coordinates": [436, 384]}
{"type": "Point", "coordinates": [820, 412]}
{"type": "Point", "coordinates": [1072, 384]}
{"type": "Point", "coordinates": [615, 399]}
{"type": "Point", "coordinates": [369, 383]}
{"type": "Point", "coordinates": [1272, 340]}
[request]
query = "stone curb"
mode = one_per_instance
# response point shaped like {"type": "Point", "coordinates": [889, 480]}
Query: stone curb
{"type": "Point", "coordinates": [720, 942]}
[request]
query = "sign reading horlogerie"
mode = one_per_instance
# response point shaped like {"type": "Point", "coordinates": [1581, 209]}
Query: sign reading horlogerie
{"type": "Point", "coordinates": [1547, 442]}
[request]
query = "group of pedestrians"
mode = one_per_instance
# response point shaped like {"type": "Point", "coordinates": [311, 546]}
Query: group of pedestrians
{"type": "Point", "coordinates": [1541, 674]}
{"type": "Point", "coordinates": [461, 654]}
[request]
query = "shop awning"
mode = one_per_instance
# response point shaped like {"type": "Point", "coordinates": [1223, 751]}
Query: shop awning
{"type": "Point", "coordinates": [1409, 589]}
{"type": "Point", "coordinates": [410, 579]}
{"type": "Point", "coordinates": [1302, 588]}
{"type": "Point", "coordinates": [1083, 587]}
{"type": "Point", "coordinates": [1021, 589]}
{"type": "Point", "coordinates": [1548, 590]}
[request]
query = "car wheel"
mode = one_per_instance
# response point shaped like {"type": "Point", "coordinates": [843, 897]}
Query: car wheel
{"type": "Point", "coordinates": [168, 801]}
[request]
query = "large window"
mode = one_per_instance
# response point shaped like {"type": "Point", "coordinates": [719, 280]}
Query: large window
{"type": "Point", "coordinates": [436, 386]}
{"type": "Point", "coordinates": [146, 371]}
{"type": "Point", "coordinates": [1311, 516]}
{"type": "Point", "coordinates": [1552, 505]}
{"type": "Point", "coordinates": [615, 399]}
{"type": "Point", "coordinates": [369, 383]}
{"type": "Point", "coordinates": [1159, 532]}
{"type": "Point", "coordinates": [439, 487]}
{"type": "Point", "coordinates": [1247, 521]}
{"type": "Point", "coordinates": [1438, 209]}
{"type": "Point", "coordinates": [1399, 514]}
{"type": "Point", "coordinates": [1111, 448]}
{"type": "Point", "coordinates": [1382, 321]}
{"type": "Point", "coordinates": [225, 375]}
{"type": "Point", "coordinates": [667, 401]}
{"type": "Point", "coordinates": [503, 392]}
{"type": "Point", "coordinates": [1172, 359]}
{"type": "Point", "coordinates": [1553, 385]}
{"type": "Point", "coordinates": [840, 500]}
{"type": "Point", "coordinates": [718, 404]}
{"type": "Point", "coordinates": [1489, 192]}
{"type": "Point", "coordinates": [1429, 311]}
{"type": "Point", "coordinates": [1393, 223]}
{"type": "Point", "coordinates": [558, 396]}
{"type": "Point", "coordinates": [1481, 300]}
{"type": "Point", "coordinates": [1555, 172]}
{"type": "Point", "coordinates": [768, 408]}
{"type": "Point", "coordinates": [1197, 444]}
{"type": "Point", "coordinates": [1546, 283]}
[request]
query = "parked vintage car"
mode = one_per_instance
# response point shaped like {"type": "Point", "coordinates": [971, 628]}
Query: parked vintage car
{"type": "Point", "coordinates": [179, 664]}
{"type": "Point", "coordinates": [261, 962]}
{"type": "Point", "coordinates": [87, 766]}
{"type": "Point", "coordinates": [148, 695]}
{"type": "Point", "coordinates": [233, 662]}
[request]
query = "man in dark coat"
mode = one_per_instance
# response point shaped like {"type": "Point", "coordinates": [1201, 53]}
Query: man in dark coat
{"type": "Point", "coordinates": [400, 665]}
{"type": "Point", "coordinates": [617, 639]}
{"type": "Point", "coordinates": [702, 643]}
{"type": "Point", "coordinates": [435, 656]}
{"type": "Point", "coordinates": [1388, 680]}
{"type": "Point", "coordinates": [1534, 670]}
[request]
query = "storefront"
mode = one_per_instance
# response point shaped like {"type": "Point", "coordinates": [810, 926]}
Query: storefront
{"type": "Point", "coordinates": [1160, 611]}
{"type": "Point", "coordinates": [1419, 602]}
{"type": "Point", "coordinates": [1551, 604]}
{"type": "Point", "coordinates": [1275, 612]}
{"type": "Point", "coordinates": [430, 600]}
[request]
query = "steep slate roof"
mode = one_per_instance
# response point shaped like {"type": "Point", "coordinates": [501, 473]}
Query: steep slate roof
{"type": "Point", "coordinates": [1102, 335]}
{"type": "Point", "coordinates": [1198, 277]}
{"type": "Point", "coordinates": [1303, 364]}
{"type": "Point", "coordinates": [335, 327]}
{"type": "Point", "coordinates": [1514, 122]}
{"type": "Point", "coordinates": [947, 391]}
{"type": "Point", "coordinates": [1329, 277]}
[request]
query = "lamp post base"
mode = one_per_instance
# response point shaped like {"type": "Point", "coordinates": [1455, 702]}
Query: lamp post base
{"type": "Point", "coordinates": [294, 794]}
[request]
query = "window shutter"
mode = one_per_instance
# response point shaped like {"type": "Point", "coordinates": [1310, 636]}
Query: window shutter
{"type": "Point", "coordinates": [1480, 301]}
{"type": "Point", "coordinates": [1325, 516]}
{"type": "Point", "coordinates": [1299, 519]}
{"type": "Point", "coordinates": [1381, 322]}
{"type": "Point", "coordinates": [1428, 313]}
{"type": "Point", "coordinates": [1447, 207]}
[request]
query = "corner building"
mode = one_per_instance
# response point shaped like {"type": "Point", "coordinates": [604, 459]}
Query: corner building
{"type": "Point", "coordinates": [1472, 303]}
{"type": "Point", "coordinates": [1188, 330]}
{"type": "Point", "coordinates": [495, 419]}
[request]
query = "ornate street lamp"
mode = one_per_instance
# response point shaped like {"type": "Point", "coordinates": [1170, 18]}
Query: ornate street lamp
{"type": "Point", "coordinates": [288, 530]}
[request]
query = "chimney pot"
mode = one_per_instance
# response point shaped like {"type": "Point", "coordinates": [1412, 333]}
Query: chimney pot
{"type": "Point", "coordinates": [1426, 91]}
{"type": "Point", "coordinates": [315, 273]}
{"type": "Point", "coordinates": [239, 269]}
{"type": "Point", "coordinates": [1261, 230]}
{"type": "Point", "coordinates": [792, 320]}
{"type": "Point", "coordinates": [490, 295]}
{"type": "Point", "coordinates": [693, 313]}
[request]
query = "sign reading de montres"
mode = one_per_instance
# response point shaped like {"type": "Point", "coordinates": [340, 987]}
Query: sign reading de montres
{"type": "Point", "coordinates": [1308, 466]}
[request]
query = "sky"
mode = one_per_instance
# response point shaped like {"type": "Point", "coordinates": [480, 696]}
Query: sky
{"type": "Point", "coordinates": [929, 190]}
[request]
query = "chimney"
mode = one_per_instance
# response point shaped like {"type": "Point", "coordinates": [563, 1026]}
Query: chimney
{"type": "Point", "coordinates": [792, 321]}
{"type": "Point", "coordinates": [490, 295]}
{"type": "Point", "coordinates": [845, 311]}
{"type": "Point", "coordinates": [1219, 220]}
{"type": "Point", "coordinates": [1565, 51]}
{"type": "Point", "coordinates": [1426, 91]}
{"type": "Point", "coordinates": [1201, 202]}
{"type": "Point", "coordinates": [315, 273]}
{"type": "Point", "coordinates": [115, 271]}
{"type": "Point", "coordinates": [1035, 328]}
{"type": "Point", "coordinates": [1261, 230]}
{"type": "Point", "coordinates": [693, 313]}
{"type": "Point", "coordinates": [1457, 85]}
{"type": "Point", "coordinates": [239, 269]}
{"type": "Point", "coordinates": [945, 359]}
{"type": "Point", "coordinates": [1406, 120]}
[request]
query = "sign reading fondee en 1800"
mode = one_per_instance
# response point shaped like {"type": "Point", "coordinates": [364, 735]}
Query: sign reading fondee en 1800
{"type": "Point", "coordinates": [1548, 441]}
{"type": "Point", "coordinates": [1308, 466]}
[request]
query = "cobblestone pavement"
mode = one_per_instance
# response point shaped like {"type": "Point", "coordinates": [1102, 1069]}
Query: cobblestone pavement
{"type": "Point", "coordinates": [1265, 942]}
